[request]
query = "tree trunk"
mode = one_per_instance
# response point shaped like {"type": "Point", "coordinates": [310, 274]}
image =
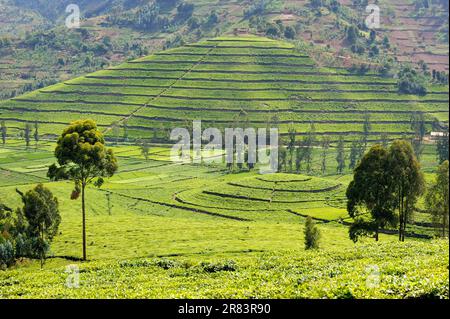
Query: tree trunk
{"type": "Point", "coordinates": [400, 215]}
{"type": "Point", "coordinates": [42, 253]}
{"type": "Point", "coordinates": [376, 234]}
{"type": "Point", "coordinates": [444, 224]}
{"type": "Point", "coordinates": [83, 207]}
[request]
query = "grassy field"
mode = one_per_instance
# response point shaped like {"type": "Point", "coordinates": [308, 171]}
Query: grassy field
{"type": "Point", "coordinates": [164, 230]}
{"type": "Point", "coordinates": [219, 80]}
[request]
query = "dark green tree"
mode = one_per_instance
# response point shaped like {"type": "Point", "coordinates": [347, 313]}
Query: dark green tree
{"type": "Point", "coordinates": [41, 211]}
{"type": "Point", "coordinates": [340, 157]}
{"type": "Point", "coordinates": [370, 200]}
{"type": "Point", "coordinates": [83, 158]}
{"type": "Point", "coordinates": [298, 159]}
{"type": "Point", "coordinates": [145, 148]}
{"type": "Point", "coordinates": [309, 143]}
{"type": "Point", "coordinates": [411, 82]}
{"type": "Point", "coordinates": [406, 181]}
{"type": "Point", "coordinates": [282, 155]}
{"type": "Point", "coordinates": [442, 149]}
{"type": "Point", "coordinates": [36, 133]}
{"type": "Point", "coordinates": [27, 134]}
{"type": "Point", "coordinates": [352, 34]}
{"type": "Point", "coordinates": [354, 153]}
{"type": "Point", "coordinates": [367, 127]}
{"type": "Point", "coordinates": [290, 32]}
{"type": "Point", "coordinates": [291, 146]}
{"type": "Point", "coordinates": [4, 132]}
{"type": "Point", "coordinates": [437, 200]}
{"type": "Point", "coordinates": [325, 146]}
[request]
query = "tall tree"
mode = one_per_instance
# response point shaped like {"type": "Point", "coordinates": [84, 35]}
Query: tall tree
{"type": "Point", "coordinates": [418, 125]}
{"type": "Point", "coordinates": [145, 148]}
{"type": "Point", "coordinates": [418, 147]}
{"type": "Point", "coordinates": [298, 159]}
{"type": "Point", "coordinates": [310, 140]}
{"type": "Point", "coordinates": [368, 194]}
{"type": "Point", "coordinates": [125, 129]}
{"type": "Point", "coordinates": [83, 157]}
{"type": "Point", "coordinates": [419, 128]}
{"type": "Point", "coordinates": [4, 131]}
{"type": "Point", "coordinates": [27, 134]}
{"type": "Point", "coordinates": [340, 157]}
{"type": "Point", "coordinates": [282, 155]}
{"type": "Point", "coordinates": [406, 180]}
{"type": "Point", "coordinates": [437, 198]}
{"type": "Point", "coordinates": [291, 145]}
{"type": "Point", "coordinates": [367, 127]}
{"type": "Point", "coordinates": [36, 133]}
{"type": "Point", "coordinates": [325, 143]}
{"type": "Point", "coordinates": [116, 131]}
{"type": "Point", "coordinates": [354, 153]}
{"type": "Point", "coordinates": [40, 208]}
{"type": "Point", "coordinates": [442, 149]}
{"type": "Point", "coordinates": [307, 148]}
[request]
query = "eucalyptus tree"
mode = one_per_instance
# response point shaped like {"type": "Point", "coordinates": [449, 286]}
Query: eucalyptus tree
{"type": "Point", "coordinates": [83, 158]}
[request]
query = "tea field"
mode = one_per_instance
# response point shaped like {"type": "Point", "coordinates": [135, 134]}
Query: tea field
{"type": "Point", "coordinates": [158, 229]}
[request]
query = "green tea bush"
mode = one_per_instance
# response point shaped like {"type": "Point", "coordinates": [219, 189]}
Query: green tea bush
{"type": "Point", "coordinates": [312, 234]}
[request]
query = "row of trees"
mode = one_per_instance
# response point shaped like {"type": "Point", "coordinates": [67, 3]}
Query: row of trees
{"type": "Point", "coordinates": [385, 188]}
{"type": "Point", "coordinates": [295, 154]}
{"type": "Point", "coordinates": [30, 131]}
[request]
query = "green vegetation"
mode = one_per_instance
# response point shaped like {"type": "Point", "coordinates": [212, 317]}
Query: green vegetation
{"type": "Point", "coordinates": [83, 158]}
{"type": "Point", "coordinates": [28, 232]}
{"type": "Point", "coordinates": [215, 81]}
{"type": "Point", "coordinates": [159, 229]}
{"type": "Point", "coordinates": [410, 82]}
{"type": "Point", "coordinates": [369, 194]}
{"type": "Point", "coordinates": [437, 199]}
{"type": "Point", "coordinates": [40, 209]}
{"type": "Point", "coordinates": [229, 233]}
{"type": "Point", "coordinates": [312, 234]}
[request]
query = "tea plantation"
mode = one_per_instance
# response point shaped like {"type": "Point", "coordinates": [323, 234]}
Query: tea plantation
{"type": "Point", "coordinates": [164, 230]}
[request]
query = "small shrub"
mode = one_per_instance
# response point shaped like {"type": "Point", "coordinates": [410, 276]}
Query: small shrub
{"type": "Point", "coordinates": [312, 234]}
{"type": "Point", "coordinates": [166, 263]}
{"type": "Point", "coordinates": [343, 293]}
{"type": "Point", "coordinates": [209, 267]}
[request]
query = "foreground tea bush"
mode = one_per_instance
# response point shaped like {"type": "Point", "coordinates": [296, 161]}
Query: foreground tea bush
{"type": "Point", "coordinates": [372, 270]}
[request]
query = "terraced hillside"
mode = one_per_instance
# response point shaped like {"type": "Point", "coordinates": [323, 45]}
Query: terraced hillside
{"type": "Point", "coordinates": [223, 81]}
{"type": "Point", "coordinates": [41, 51]}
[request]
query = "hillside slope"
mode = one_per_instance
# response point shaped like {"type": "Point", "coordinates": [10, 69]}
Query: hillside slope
{"type": "Point", "coordinates": [224, 81]}
{"type": "Point", "coordinates": [40, 50]}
